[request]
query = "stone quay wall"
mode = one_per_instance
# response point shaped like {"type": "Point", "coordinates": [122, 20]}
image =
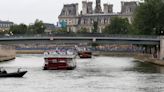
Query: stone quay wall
{"type": "Point", "coordinates": [149, 59]}
{"type": "Point", "coordinates": [7, 53]}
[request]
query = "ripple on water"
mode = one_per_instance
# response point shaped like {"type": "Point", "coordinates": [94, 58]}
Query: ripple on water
{"type": "Point", "coordinates": [100, 74]}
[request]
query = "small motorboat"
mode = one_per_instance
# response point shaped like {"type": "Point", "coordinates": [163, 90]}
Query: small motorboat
{"type": "Point", "coordinates": [13, 74]}
{"type": "Point", "coordinates": [85, 54]}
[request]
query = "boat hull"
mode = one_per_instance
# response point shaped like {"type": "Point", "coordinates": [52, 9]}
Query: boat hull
{"type": "Point", "coordinates": [60, 63]}
{"type": "Point", "coordinates": [15, 74]}
{"type": "Point", "coordinates": [59, 68]}
{"type": "Point", "coordinates": [85, 54]}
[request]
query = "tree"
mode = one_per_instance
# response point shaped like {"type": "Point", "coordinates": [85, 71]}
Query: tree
{"type": "Point", "coordinates": [83, 30]}
{"type": "Point", "coordinates": [31, 30]}
{"type": "Point", "coordinates": [61, 30]}
{"type": "Point", "coordinates": [148, 18]}
{"type": "Point", "coordinates": [18, 29]}
{"type": "Point", "coordinates": [38, 27]}
{"type": "Point", "coordinates": [95, 27]}
{"type": "Point", "coordinates": [118, 26]}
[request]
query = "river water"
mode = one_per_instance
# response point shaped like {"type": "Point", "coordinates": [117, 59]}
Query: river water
{"type": "Point", "coordinates": [99, 74]}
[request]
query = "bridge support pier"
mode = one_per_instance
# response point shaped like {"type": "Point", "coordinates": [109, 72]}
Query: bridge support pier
{"type": "Point", "coordinates": [161, 56]}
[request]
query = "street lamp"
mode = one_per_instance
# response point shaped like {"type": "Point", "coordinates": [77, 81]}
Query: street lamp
{"type": "Point", "coordinates": [161, 32]}
{"type": "Point", "coordinates": [11, 33]}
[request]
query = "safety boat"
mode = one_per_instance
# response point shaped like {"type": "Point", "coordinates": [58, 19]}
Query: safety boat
{"type": "Point", "coordinates": [5, 74]}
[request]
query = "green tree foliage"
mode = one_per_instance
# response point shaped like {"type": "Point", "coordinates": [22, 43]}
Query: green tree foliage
{"type": "Point", "coordinates": [94, 44]}
{"type": "Point", "coordinates": [38, 27]}
{"type": "Point", "coordinates": [83, 30]}
{"type": "Point", "coordinates": [31, 30]}
{"type": "Point", "coordinates": [95, 27]}
{"type": "Point", "coordinates": [148, 18]}
{"type": "Point", "coordinates": [61, 30]}
{"type": "Point", "coordinates": [18, 29]}
{"type": "Point", "coordinates": [118, 26]}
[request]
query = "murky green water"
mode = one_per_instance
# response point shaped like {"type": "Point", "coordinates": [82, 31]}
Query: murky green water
{"type": "Point", "coordinates": [99, 74]}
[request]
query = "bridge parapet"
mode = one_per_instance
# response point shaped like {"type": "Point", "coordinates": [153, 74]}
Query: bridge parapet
{"type": "Point", "coordinates": [100, 39]}
{"type": "Point", "coordinates": [82, 35]}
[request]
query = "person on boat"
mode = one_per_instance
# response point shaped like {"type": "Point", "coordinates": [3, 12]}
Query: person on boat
{"type": "Point", "coordinates": [18, 70]}
{"type": "Point", "coordinates": [46, 53]}
{"type": "Point", "coordinates": [4, 71]}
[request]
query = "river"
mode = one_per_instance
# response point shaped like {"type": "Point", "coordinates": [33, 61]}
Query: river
{"type": "Point", "coordinates": [99, 74]}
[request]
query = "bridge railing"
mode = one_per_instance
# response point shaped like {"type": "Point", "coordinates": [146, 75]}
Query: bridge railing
{"type": "Point", "coordinates": [81, 35]}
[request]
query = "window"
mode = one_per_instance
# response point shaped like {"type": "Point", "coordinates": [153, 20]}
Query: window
{"type": "Point", "coordinates": [54, 61]}
{"type": "Point", "coordinates": [61, 61]}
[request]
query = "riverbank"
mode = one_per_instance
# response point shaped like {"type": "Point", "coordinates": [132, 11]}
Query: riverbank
{"type": "Point", "coordinates": [115, 54]}
{"type": "Point", "coordinates": [138, 56]}
{"type": "Point", "coordinates": [6, 58]}
{"type": "Point", "coordinates": [29, 51]}
{"type": "Point", "coordinates": [149, 59]}
{"type": "Point", "coordinates": [95, 53]}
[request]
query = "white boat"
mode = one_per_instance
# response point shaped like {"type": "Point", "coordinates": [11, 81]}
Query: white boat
{"type": "Point", "coordinates": [59, 60]}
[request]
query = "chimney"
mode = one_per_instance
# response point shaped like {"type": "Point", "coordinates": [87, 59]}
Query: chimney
{"type": "Point", "coordinates": [84, 7]}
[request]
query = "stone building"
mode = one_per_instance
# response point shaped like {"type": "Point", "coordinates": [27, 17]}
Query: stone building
{"type": "Point", "coordinates": [70, 17]}
{"type": "Point", "coordinates": [49, 28]}
{"type": "Point", "coordinates": [98, 8]}
{"type": "Point", "coordinates": [87, 7]}
{"type": "Point", "coordinates": [88, 15]}
{"type": "Point", "coordinates": [5, 25]}
{"type": "Point", "coordinates": [128, 7]}
{"type": "Point", "coordinates": [108, 8]}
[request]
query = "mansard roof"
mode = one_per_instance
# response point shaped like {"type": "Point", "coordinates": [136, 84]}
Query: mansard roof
{"type": "Point", "coordinates": [6, 22]}
{"type": "Point", "coordinates": [69, 10]}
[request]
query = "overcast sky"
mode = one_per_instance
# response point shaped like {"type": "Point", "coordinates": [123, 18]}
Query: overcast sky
{"type": "Point", "coordinates": [27, 11]}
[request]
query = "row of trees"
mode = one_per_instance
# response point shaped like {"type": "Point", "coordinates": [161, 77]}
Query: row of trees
{"type": "Point", "coordinates": [118, 26]}
{"type": "Point", "coordinates": [36, 28]}
{"type": "Point", "coordinates": [147, 20]}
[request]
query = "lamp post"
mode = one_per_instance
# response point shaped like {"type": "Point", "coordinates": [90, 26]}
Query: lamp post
{"type": "Point", "coordinates": [161, 32]}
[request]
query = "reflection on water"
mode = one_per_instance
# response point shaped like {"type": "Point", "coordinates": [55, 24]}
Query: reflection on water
{"type": "Point", "coordinates": [99, 74]}
{"type": "Point", "coordinates": [144, 67]}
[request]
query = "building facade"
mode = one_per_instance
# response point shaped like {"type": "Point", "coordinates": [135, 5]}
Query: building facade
{"type": "Point", "coordinates": [88, 15]}
{"type": "Point", "coordinates": [5, 25]}
{"type": "Point", "coordinates": [69, 17]}
{"type": "Point", "coordinates": [128, 7]}
{"type": "Point", "coordinates": [49, 28]}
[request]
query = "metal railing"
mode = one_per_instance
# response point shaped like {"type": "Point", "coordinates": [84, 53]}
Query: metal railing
{"type": "Point", "coordinates": [82, 35]}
